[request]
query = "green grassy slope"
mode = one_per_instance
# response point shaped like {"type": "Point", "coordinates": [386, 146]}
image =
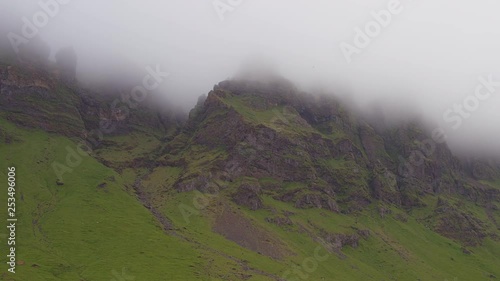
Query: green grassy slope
{"type": "Point", "coordinates": [395, 250]}
{"type": "Point", "coordinates": [80, 231]}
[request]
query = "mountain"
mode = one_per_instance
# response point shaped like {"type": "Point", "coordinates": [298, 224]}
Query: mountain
{"type": "Point", "coordinates": [260, 182]}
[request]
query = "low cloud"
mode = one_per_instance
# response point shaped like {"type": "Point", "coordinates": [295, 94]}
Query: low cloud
{"type": "Point", "coordinates": [420, 57]}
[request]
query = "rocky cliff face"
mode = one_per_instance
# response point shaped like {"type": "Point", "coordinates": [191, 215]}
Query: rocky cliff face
{"type": "Point", "coordinates": [38, 98]}
{"type": "Point", "coordinates": [32, 97]}
{"type": "Point", "coordinates": [313, 153]}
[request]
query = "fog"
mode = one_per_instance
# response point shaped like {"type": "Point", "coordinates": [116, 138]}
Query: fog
{"type": "Point", "coordinates": [423, 57]}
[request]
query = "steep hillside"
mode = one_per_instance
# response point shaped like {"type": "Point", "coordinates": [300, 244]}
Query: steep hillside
{"type": "Point", "coordinates": [263, 182]}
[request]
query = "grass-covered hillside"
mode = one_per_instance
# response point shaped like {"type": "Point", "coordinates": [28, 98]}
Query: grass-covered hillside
{"type": "Point", "coordinates": [261, 183]}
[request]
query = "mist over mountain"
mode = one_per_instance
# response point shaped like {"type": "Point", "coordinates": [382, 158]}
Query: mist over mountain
{"type": "Point", "coordinates": [250, 140]}
{"type": "Point", "coordinates": [426, 58]}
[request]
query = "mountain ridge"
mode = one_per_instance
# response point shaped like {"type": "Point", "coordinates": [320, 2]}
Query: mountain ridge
{"type": "Point", "coordinates": [267, 159]}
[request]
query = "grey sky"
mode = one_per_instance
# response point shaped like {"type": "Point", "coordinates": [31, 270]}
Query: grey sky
{"type": "Point", "coordinates": [428, 58]}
